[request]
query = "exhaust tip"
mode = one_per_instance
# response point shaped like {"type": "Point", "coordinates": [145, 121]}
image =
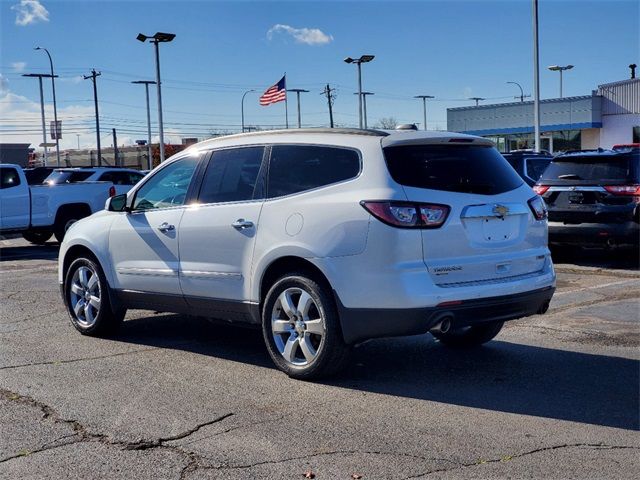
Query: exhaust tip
{"type": "Point", "coordinates": [443, 325]}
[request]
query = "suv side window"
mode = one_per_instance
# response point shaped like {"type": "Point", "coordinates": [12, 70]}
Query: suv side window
{"type": "Point", "coordinates": [296, 168]}
{"type": "Point", "coordinates": [231, 175]}
{"type": "Point", "coordinates": [9, 178]}
{"type": "Point", "coordinates": [121, 178]}
{"type": "Point", "coordinates": [168, 187]}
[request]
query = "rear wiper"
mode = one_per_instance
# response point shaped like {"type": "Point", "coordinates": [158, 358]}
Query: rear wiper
{"type": "Point", "coordinates": [570, 176]}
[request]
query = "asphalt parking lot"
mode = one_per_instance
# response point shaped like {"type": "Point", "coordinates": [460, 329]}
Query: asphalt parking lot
{"type": "Point", "coordinates": [554, 396]}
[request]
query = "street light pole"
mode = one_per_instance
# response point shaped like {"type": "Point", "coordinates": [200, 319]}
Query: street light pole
{"type": "Point", "coordinates": [40, 76]}
{"type": "Point", "coordinates": [477, 99]}
{"type": "Point", "coordinates": [158, 38]}
{"type": "Point", "coordinates": [364, 105]}
{"type": "Point", "coordinates": [521, 91]}
{"type": "Point", "coordinates": [424, 107]}
{"type": "Point", "coordinates": [359, 62]}
{"type": "Point", "coordinates": [298, 91]}
{"type": "Point", "coordinates": [146, 84]}
{"type": "Point", "coordinates": [558, 68]}
{"type": "Point", "coordinates": [242, 107]}
{"type": "Point", "coordinates": [536, 79]}
{"type": "Point", "coordinates": [55, 108]}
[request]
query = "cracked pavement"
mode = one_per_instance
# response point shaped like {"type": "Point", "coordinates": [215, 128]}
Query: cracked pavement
{"type": "Point", "coordinates": [555, 396]}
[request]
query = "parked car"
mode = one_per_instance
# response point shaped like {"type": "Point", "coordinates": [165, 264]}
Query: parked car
{"type": "Point", "coordinates": [623, 147]}
{"type": "Point", "coordinates": [529, 164]}
{"type": "Point", "coordinates": [122, 178]}
{"type": "Point", "coordinates": [324, 238]}
{"type": "Point", "coordinates": [37, 175]}
{"type": "Point", "coordinates": [593, 198]}
{"type": "Point", "coordinates": [39, 211]}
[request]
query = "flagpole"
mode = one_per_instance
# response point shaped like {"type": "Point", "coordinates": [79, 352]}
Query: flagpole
{"type": "Point", "coordinates": [286, 102]}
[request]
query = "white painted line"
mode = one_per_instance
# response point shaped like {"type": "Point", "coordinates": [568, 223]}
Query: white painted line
{"type": "Point", "coordinates": [622, 282]}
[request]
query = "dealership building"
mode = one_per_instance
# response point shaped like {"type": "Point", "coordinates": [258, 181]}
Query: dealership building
{"type": "Point", "coordinates": [609, 116]}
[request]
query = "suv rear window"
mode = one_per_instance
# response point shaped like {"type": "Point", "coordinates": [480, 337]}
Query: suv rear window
{"type": "Point", "coordinates": [592, 169]}
{"type": "Point", "coordinates": [67, 176]}
{"type": "Point", "coordinates": [453, 168]}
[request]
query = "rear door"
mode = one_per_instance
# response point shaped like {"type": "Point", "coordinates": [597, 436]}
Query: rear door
{"type": "Point", "coordinates": [591, 188]}
{"type": "Point", "coordinates": [490, 233]}
{"type": "Point", "coordinates": [15, 204]}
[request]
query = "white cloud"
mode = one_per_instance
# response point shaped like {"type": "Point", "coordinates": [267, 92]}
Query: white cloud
{"type": "Point", "coordinates": [4, 84]}
{"type": "Point", "coordinates": [309, 36]}
{"type": "Point", "coordinates": [74, 80]}
{"type": "Point", "coordinates": [29, 12]}
{"type": "Point", "coordinates": [19, 66]}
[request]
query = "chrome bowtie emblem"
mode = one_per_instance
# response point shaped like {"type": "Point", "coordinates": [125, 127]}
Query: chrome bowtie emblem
{"type": "Point", "coordinates": [500, 210]}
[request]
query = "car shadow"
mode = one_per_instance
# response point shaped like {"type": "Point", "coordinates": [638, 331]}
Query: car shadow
{"type": "Point", "coordinates": [500, 376]}
{"type": "Point", "coordinates": [48, 251]}
{"type": "Point", "coordinates": [617, 259]}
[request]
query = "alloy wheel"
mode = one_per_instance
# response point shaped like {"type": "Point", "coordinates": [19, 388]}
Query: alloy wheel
{"type": "Point", "coordinates": [85, 296]}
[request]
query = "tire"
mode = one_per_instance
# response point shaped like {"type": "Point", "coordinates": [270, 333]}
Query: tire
{"type": "Point", "coordinates": [307, 342]}
{"type": "Point", "coordinates": [469, 337]}
{"type": "Point", "coordinates": [64, 222]}
{"type": "Point", "coordinates": [37, 237]}
{"type": "Point", "coordinates": [86, 296]}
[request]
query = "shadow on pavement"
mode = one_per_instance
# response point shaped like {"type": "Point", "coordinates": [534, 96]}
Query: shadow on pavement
{"type": "Point", "coordinates": [49, 251]}
{"type": "Point", "coordinates": [618, 259]}
{"type": "Point", "coordinates": [501, 376]}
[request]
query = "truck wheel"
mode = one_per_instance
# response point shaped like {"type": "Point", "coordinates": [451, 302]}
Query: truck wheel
{"type": "Point", "coordinates": [64, 223]}
{"type": "Point", "coordinates": [37, 237]}
{"type": "Point", "coordinates": [469, 337]}
{"type": "Point", "coordinates": [86, 296]}
{"type": "Point", "coordinates": [301, 328]}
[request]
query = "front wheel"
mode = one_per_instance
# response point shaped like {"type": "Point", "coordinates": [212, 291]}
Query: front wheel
{"type": "Point", "coordinates": [301, 328]}
{"type": "Point", "coordinates": [37, 237]}
{"type": "Point", "coordinates": [86, 296]}
{"type": "Point", "coordinates": [469, 337]}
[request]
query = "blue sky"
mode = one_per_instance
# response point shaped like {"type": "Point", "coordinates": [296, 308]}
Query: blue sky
{"type": "Point", "coordinates": [452, 50]}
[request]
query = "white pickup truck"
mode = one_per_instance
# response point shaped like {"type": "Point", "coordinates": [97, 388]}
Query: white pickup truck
{"type": "Point", "coordinates": [39, 211]}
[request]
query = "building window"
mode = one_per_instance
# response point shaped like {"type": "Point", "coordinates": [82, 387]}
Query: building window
{"type": "Point", "coordinates": [636, 134]}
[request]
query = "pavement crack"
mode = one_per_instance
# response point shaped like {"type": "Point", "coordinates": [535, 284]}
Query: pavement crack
{"type": "Point", "coordinates": [507, 458]}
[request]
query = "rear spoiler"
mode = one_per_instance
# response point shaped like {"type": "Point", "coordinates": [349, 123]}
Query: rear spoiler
{"type": "Point", "coordinates": [418, 138]}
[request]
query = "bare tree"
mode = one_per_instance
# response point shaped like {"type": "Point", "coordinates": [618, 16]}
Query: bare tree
{"type": "Point", "coordinates": [387, 123]}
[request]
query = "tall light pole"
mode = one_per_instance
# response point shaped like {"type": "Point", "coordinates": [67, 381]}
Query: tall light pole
{"type": "Point", "coordinates": [298, 91]}
{"type": "Point", "coordinates": [477, 99]}
{"type": "Point", "coordinates": [558, 68]}
{"type": "Point", "coordinates": [364, 105]}
{"type": "Point", "coordinates": [146, 84]}
{"type": "Point", "coordinates": [40, 76]}
{"type": "Point", "coordinates": [536, 79]}
{"type": "Point", "coordinates": [359, 62]}
{"type": "Point", "coordinates": [242, 106]}
{"type": "Point", "coordinates": [521, 91]}
{"type": "Point", "coordinates": [55, 108]}
{"type": "Point", "coordinates": [158, 38]}
{"type": "Point", "coordinates": [424, 107]}
{"type": "Point", "coordinates": [94, 75]}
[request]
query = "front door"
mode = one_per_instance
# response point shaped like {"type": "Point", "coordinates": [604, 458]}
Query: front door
{"type": "Point", "coordinates": [144, 242]}
{"type": "Point", "coordinates": [217, 234]}
{"type": "Point", "coordinates": [14, 200]}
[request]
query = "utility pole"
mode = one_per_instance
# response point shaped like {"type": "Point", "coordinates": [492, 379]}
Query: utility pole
{"type": "Point", "coordinates": [115, 148]}
{"type": "Point", "coordinates": [40, 76]}
{"type": "Point", "coordinates": [93, 76]}
{"type": "Point", "coordinates": [424, 107]}
{"type": "Point", "coordinates": [329, 93]}
{"type": "Point", "coordinates": [298, 91]}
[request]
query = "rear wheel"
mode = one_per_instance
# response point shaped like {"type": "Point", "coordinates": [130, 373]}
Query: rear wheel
{"type": "Point", "coordinates": [87, 299]}
{"type": "Point", "coordinates": [469, 337]}
{"type": "Point", "coordinates": [301, 328]}
{"type": "Point", "coordinates": [38, 237]}
{"type": "Point", "coordinates": [64, 223]}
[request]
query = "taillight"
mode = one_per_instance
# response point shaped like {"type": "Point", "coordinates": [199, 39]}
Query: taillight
{"type": "Point", "coordinates": [112, 191]}
{"type": "Point", "coordinates": [407, 214]}
{"type": "Point", "coordinates": [623, 189]}
{"type": "Point", "coordinates": [540, 189]}
{"type": "Point", "coordinates": [538, 207]}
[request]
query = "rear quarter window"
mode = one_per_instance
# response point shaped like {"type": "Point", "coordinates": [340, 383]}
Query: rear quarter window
{"type": "Point", "coordinates": [452, 168]}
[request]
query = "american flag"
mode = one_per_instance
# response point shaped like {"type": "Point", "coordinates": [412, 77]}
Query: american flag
{"type": "Point", "coordinates": [275, 93]}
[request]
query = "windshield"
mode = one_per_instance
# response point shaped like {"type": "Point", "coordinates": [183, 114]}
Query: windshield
{"type": "Point", "coordinates": [454, 168]}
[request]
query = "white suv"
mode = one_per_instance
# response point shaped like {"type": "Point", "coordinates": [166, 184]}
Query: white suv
{"type": "Point", "coordinates": [324, 238]}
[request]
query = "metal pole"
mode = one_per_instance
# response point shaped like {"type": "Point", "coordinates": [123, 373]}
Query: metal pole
{"type": "Point", "coordinates": [78, 137]}
{"type": "Point", "coordinates": [242, 107]}
{"type": "Point", "coordinates": [44, 128]}
{"type": "Point", "coordinates": [360, 92]}
{"type": "Point", "coordinates": [364, 109]}
{"type": "Point", "coordinates": [286, 111]}
{"type": "Point", "coordinates": [160, 124]}
{"type": "Point", "coordinates": [93, 76]}
{"type": "Point", "coordinates": [149, 159]}
{"type": "Point", "coordinates": [536, 79]}
{"type": "Point", "coordinates": [560, 83]}
{"type": "Point", "coordinates": [55, 107]}
{"type": "Point", "coordinates": [298, 98]}
{"type": "Point", "coordinates": [424, 111]}
{"type": "Point", "coordinates": [115, 148]}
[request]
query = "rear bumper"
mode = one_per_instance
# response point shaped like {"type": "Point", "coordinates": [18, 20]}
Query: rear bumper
{"type": "Point", "coordinates": [596, 234]}
{"type": "Point", "coordinates": [359, 324]}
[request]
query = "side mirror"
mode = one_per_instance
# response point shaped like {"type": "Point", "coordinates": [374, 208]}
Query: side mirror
{"type": "Point", "coordinates": [117, 203]}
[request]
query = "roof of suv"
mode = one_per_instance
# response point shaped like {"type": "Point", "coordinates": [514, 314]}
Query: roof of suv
{"type": "Point", "coordinates": [388, 137]}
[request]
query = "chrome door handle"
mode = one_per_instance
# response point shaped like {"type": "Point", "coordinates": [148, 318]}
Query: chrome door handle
{"type": "Point", "coordinates": [166, 227]}
{"type": "Point", "coordinates": [241, 224]}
